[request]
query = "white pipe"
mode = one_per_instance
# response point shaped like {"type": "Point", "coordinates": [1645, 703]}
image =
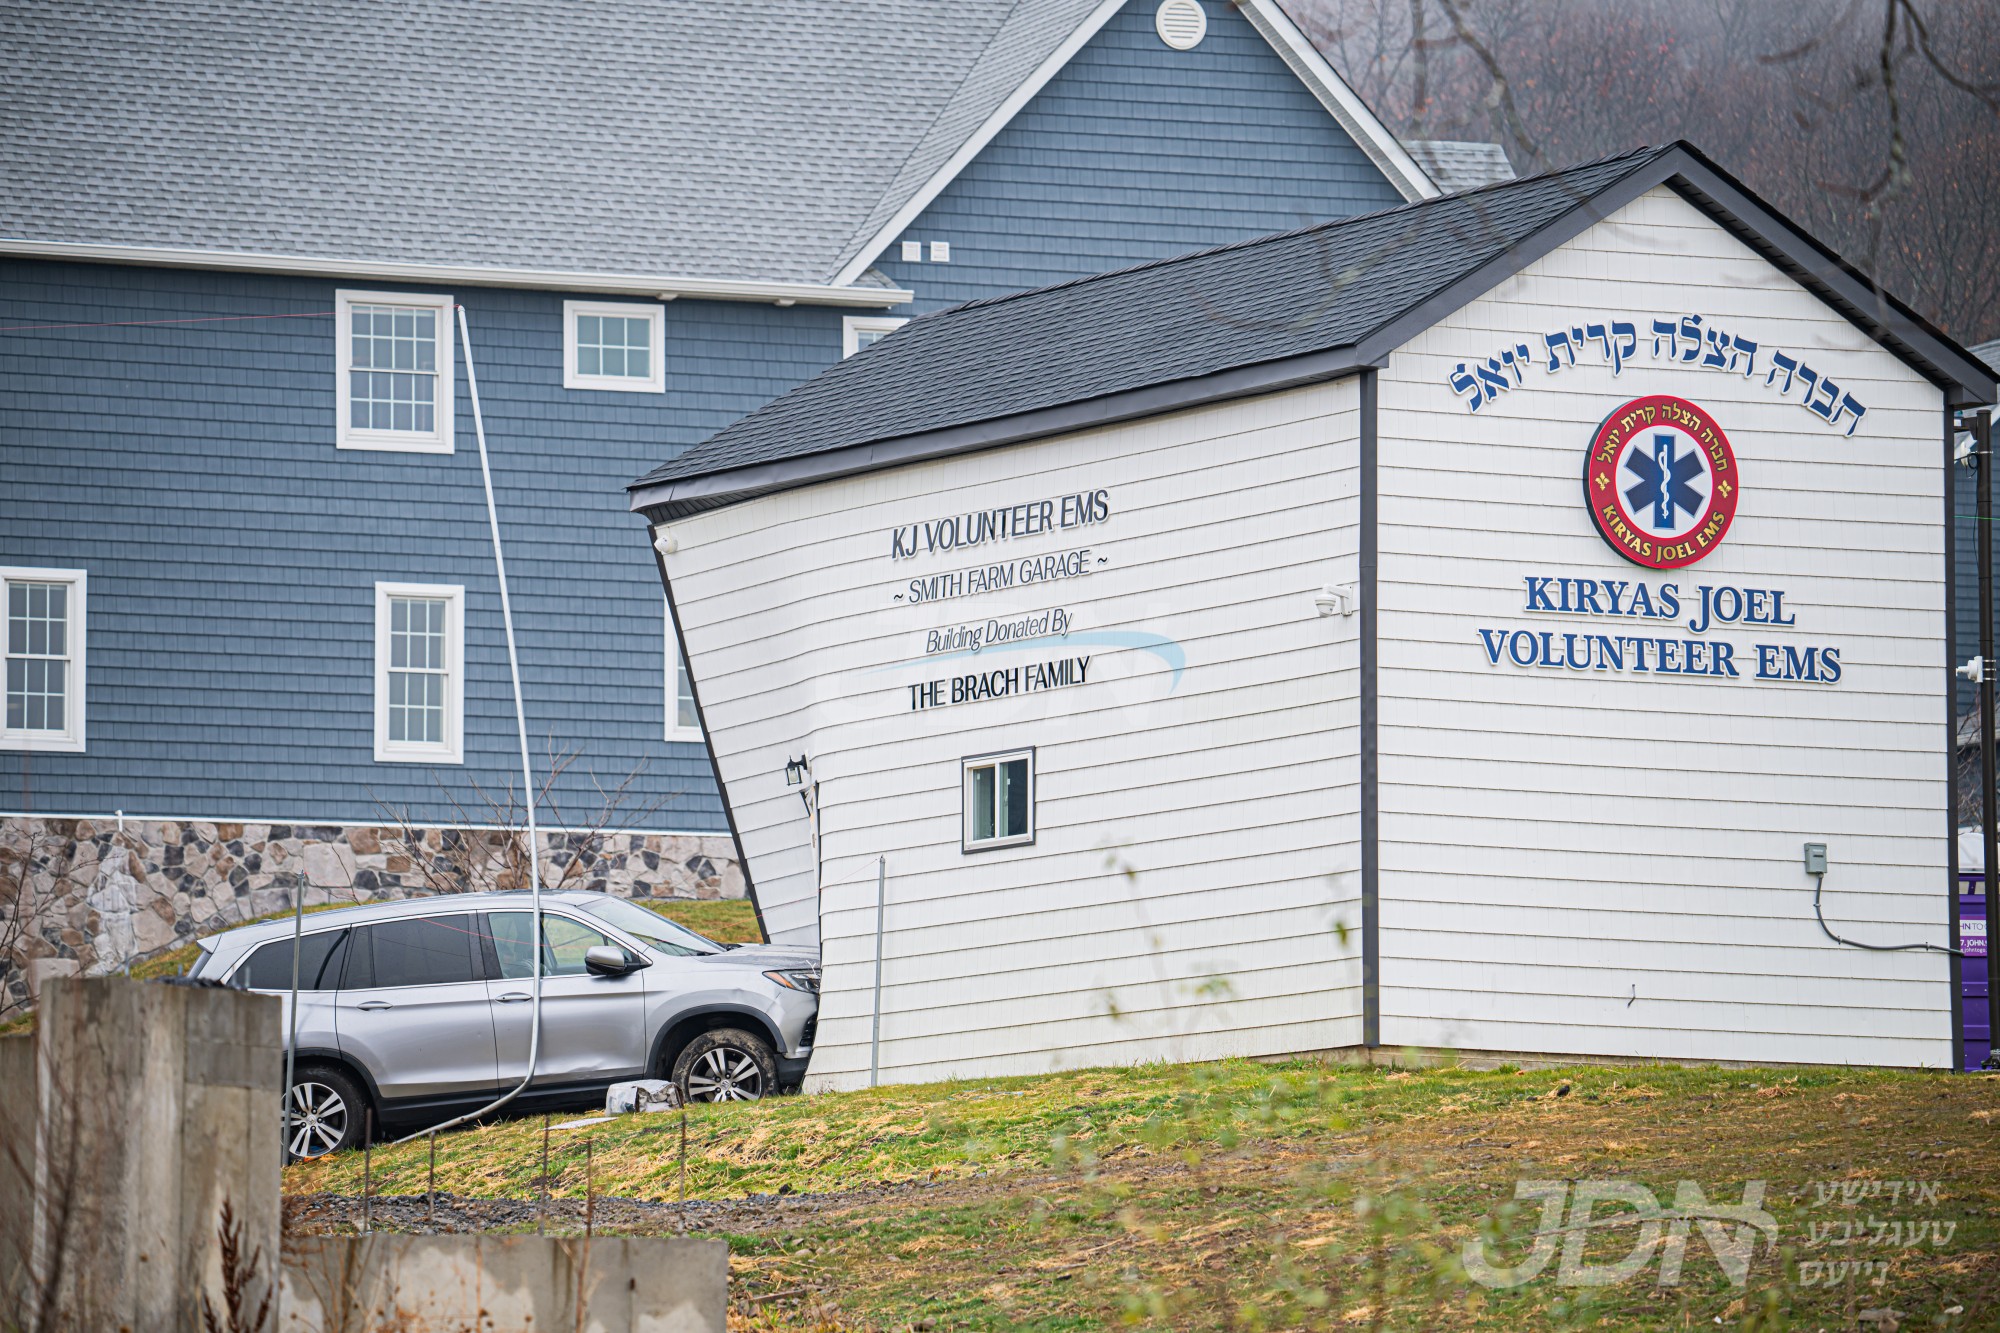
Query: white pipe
{"type": "Point", "coordinates": [875, 1024]}
{"type": "Point", "coordinates": [527, 772]}
{"type": "Point", "coordinates": [292, 1037]}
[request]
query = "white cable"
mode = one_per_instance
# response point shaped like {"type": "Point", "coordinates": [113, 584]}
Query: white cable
{"type": "Point", "coordinates": [527, 773]}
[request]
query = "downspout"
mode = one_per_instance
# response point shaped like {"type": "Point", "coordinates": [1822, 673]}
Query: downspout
{"type": "Point", "coordinates": [527, 771]}
{"type": "Point", "coordinates": [1371, 814]}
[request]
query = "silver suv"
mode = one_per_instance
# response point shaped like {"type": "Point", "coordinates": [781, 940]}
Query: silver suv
{"type": "Point", "coordinates": [418, 1010]}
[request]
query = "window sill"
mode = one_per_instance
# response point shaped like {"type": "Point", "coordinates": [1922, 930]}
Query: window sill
{"type": "Point", "coordinates": [40, 744]}
{"type": "Point", "coordinates": [687, 735]}
{"type": "Point", "coordinates": [436, 754]}
{"type": "Point", "coordinates": [996, 844]}
{"type": "Point", "coordinates": [388, 442]}
{"type": "Point", "coordinates": [615, 384]}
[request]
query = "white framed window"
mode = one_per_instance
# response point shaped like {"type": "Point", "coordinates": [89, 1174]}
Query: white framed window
{"type": "Point", "coordinates": [419, 673]}
{"type": "Point", "coordinates": [393, 365]}
{"type": "Point", "coordinates": [999, 800]}
{"type": "Point", "coordinates": [683, 722]}
{"type": "Point", "coordinates": [609, 345]}
{"type": "Point", "coordinates": [859, 331]}
{"type": "Point", "coordinates": [43, 638]}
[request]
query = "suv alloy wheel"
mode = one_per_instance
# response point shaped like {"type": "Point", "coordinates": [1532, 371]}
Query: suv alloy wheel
{"type": "Point", "coordinates": [726, 1065]}
{"type": "Point", "coordinates": [326, 1112]}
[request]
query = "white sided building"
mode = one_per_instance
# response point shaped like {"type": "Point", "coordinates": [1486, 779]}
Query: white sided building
{"type": "Point", "coordinates": [1443, 628]}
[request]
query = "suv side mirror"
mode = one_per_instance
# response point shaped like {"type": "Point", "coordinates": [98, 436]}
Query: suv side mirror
{"type": "Point", "coordinates": [608, 960]}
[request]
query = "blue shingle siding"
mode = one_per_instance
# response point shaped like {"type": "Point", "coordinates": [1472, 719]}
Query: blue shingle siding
{"type": "Point", "coordinates": [233, 551]}
{"type": "Point", "coordinates": [1135, 151]}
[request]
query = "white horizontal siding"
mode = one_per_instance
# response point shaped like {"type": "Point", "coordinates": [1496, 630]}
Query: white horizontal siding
{"type": "Point", "coordinates": [1196, 857]}
{"type": "Point", "coordinates": [1609, 863]}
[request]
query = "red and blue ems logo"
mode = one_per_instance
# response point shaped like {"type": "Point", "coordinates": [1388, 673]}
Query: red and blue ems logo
{"type": "Point", "coordinates": [1661, 482]}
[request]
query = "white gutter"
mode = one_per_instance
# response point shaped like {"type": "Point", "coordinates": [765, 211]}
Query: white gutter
{"type": "Point", "coordinates": [659, 286]}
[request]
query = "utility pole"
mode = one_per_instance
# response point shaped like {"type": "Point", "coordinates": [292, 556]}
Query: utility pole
{"type": "Point", "coordinates": [1983, 671]}
{"type": "Point", "coordinates": [1982, 435]}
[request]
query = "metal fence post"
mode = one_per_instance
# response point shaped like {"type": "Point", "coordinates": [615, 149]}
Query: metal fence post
{"type": "Point", "coordinates": [875, 1026]}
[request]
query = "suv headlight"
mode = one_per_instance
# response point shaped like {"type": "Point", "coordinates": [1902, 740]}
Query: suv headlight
{"type": "Point", "coordinates": [803, 979]}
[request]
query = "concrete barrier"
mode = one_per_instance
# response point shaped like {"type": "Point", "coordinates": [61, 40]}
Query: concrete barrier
{"type": "Point", "coordinates": [383, 1283]}
{"type": "Point", "coordinates": [17, 1162]}
{"type": "Point", "coordinates": [157, 1105]}
{"type": "Point", "coordinates": [141, 1110]}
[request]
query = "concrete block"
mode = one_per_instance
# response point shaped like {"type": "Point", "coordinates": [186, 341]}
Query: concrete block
{"type": "Point", "coordinates": [17, 1161]}
{"type": "Point", "coordinates": [503, 1284]}
{"type": "Point", "coordinates": [157, 1104]}
{"type": "Point", "coordinates": [41, 971]}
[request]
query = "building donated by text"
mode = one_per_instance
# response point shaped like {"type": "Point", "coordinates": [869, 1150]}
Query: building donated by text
{"type": "Point", "coordinates": [1211, 658]}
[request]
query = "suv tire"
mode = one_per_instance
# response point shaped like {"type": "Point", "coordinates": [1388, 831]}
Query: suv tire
{"type": "Point", "coordinates": [727, 1065]}
{"type": "Point", "coordinates": [328, 1110]}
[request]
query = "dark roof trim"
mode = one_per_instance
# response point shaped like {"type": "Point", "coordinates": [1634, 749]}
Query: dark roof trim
{"type": "Point", "coordinates": [1875, 312]}
{"type": "Point", "coordinates": [683, 496]}
{"type": "Point", "coordinates": [1965, 380]}
{"type": "Point", "coordinates": [708, 751]}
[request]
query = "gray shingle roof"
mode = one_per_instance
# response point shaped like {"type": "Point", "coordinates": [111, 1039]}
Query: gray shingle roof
{"type": "Point", "coordinates": [755, 140]}
{"type": "Point", "coordinates": [1458, 165]}
{"type": "Point", "coordinates": [1278, 296]}
{"type": "Point", "coordinates": [1246, 317]}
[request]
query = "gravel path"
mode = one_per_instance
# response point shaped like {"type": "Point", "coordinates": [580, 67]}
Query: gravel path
{"type": "Point", "coordinates": [452, 1214]}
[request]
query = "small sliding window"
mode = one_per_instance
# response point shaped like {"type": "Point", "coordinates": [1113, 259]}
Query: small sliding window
{"type": "Point", "coordinates": [999, 800]}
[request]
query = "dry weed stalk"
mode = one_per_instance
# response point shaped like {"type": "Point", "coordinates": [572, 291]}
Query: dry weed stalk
{"type": "Point", "coordinates": [41, 861]}
{"type": "Point", "coordinates": [485, 845]}
{"type": "Point", "coordinates": [238, 1273]}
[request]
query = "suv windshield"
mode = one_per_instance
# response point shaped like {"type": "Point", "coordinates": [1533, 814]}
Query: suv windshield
{"type": "Point", "coordinates": [651, 927]}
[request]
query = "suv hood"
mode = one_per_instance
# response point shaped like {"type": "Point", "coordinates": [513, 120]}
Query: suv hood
{"type": "Point", "coordinates": [767, 957]}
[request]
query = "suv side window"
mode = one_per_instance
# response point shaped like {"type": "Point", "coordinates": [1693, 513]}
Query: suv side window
{"type": "Point", "coordinates": [564, 944]}
{"type": "Point", "coordinates": [270, 967]}
{"type": "Point", "coordinates": [421, 951]}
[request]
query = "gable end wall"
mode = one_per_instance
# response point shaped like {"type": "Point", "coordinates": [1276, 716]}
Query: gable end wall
{"type": "Point", "coordinates": [1610, 863]}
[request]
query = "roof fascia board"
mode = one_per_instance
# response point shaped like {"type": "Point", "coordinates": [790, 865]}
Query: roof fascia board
{"type": "Point", "coordinates": [1340, 100]}
{"type": "Point", "coordinates": [1588, 210]}
{"type": "Point", "coordinates": [972, 147]}
{"type": "Point", "coordinates": [1062, 419]}
{"type": "Point", "coordinates": [1869, 308]}
{"type": "Point", "coordinates": [659, 286]}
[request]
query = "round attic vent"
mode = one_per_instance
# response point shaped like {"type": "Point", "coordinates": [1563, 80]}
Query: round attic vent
{"type": "Point", "coordinates": [1181, 23]}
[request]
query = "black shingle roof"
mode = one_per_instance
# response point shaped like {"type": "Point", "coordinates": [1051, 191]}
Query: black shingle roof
{"type": "Point", "coordinates": [1239, 318]}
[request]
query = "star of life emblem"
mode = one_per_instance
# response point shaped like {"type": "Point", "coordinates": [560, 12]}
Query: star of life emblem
{"type": "Point", "coordinates": [1661, 482]}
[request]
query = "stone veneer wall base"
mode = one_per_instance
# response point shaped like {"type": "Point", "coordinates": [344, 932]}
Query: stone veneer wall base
{"type": "Point", "coordinates": [99, 900]}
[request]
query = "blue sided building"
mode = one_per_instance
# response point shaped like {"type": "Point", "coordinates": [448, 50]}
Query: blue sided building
{"type": "Point", "coordinates": [253, 259]}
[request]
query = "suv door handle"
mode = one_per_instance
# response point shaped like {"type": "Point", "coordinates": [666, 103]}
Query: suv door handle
{"type": "Point", "coordinates": [514, 997]}
{"type": "Point", "coordinates": [374, 1005]}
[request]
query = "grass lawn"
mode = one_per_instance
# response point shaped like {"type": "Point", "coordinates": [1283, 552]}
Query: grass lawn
{"type": "Point", "coordinates": [1299, 1195]}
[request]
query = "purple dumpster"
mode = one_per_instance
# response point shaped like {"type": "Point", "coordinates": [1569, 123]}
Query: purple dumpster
{"type": "Point", "coordinates": [1975, 968]}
